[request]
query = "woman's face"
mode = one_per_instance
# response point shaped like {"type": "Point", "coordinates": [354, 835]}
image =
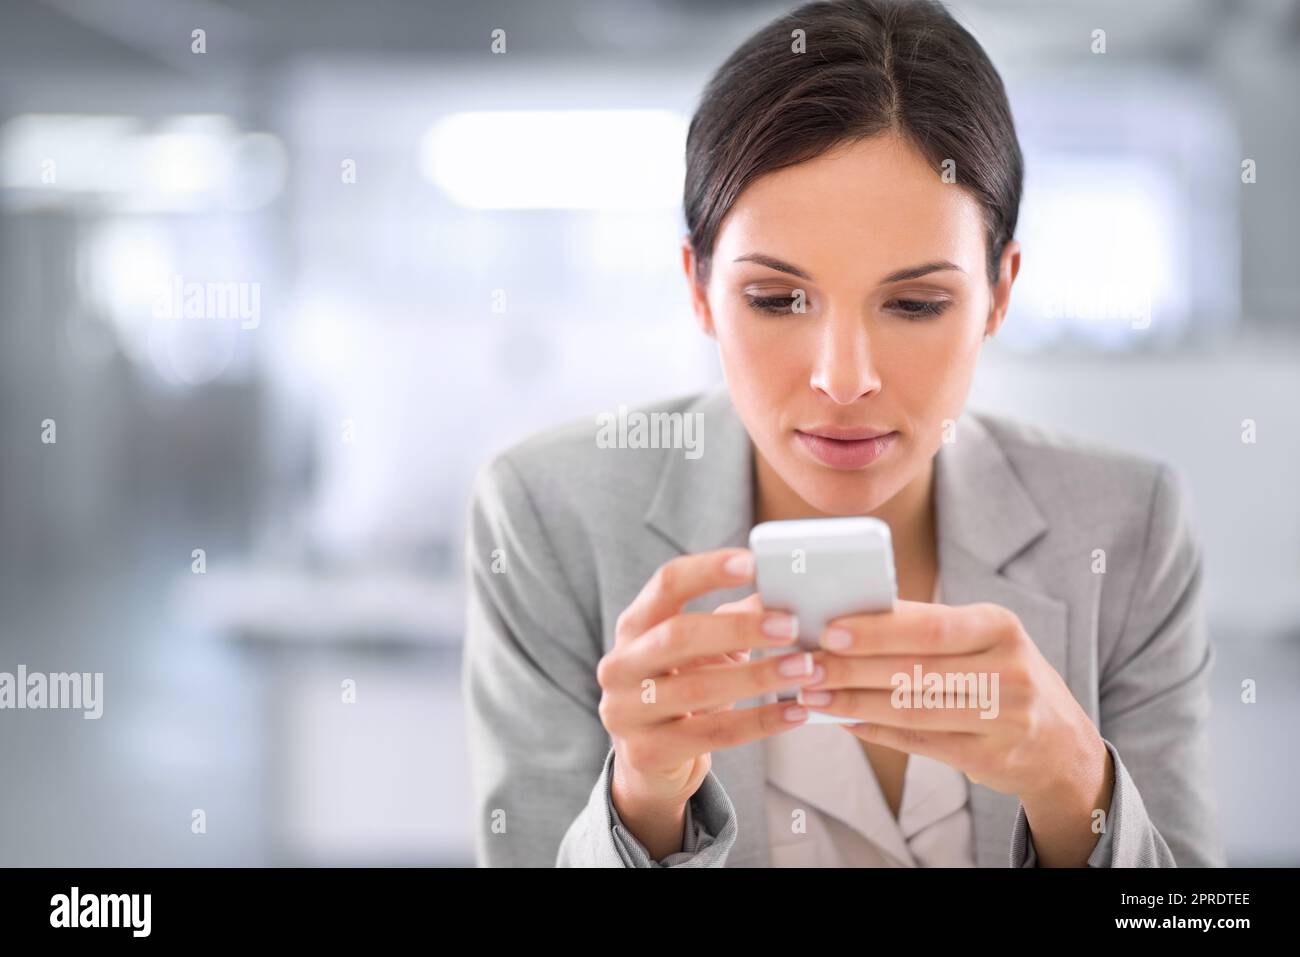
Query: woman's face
{"type": "Point", "coordinates": [887, 263]}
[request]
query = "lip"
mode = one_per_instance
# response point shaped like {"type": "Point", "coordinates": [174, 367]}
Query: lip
{"type": "Point", "coordinates": [858, 450]}
{"type": "Point", "coordinates": [845, 433]}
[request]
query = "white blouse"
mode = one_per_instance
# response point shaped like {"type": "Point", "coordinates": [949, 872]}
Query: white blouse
{"type": "Point", "coordinates": [825, 807]}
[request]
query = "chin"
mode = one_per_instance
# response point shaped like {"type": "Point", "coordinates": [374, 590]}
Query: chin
{"type": "Point", "coordinates": [843, 493]}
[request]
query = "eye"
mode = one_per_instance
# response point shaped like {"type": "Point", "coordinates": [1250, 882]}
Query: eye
{"type": "Point", "coordinates": [773, 305]}
{"type": "Point", "coordinates": [918, 308]}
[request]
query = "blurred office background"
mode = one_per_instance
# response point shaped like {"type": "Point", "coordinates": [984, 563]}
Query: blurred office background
{"type": "Point", "coordinates": [441, 249]}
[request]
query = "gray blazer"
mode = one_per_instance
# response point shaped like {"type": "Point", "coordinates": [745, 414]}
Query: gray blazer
{"type": "Point", "coordinates": [563, 533]}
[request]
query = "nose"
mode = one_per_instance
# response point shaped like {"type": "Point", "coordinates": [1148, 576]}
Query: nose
{"type": "Point", "coordinates": [845, 366]}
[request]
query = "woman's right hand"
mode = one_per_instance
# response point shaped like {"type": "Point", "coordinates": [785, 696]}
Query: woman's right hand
{"type": "Point", "coordinates": [672, 679]}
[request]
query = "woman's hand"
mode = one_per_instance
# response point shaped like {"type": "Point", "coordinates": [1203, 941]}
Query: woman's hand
{"type": "Point", "coordinates": [671, 681]}
{"type": "Point", "coordinates": [1002, 715]}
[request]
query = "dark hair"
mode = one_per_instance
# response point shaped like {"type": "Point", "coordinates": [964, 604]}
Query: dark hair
{"type": "Point", "coordinates": [870, 66]}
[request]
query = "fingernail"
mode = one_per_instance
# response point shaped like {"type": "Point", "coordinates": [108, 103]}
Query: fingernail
{"type": "Point", "coordinates": [815, 699]}
{"type": "Point", "coordinates": [741, 565]}
{"type": "Point", "coordinates": [836, 639]}
{"type": "Point", "coordinates": [818, 676]}
{"type": "Point", "coordinates": [794, 713]}
{"type": "Point", "coordinates": [782, 626]}
{"type": "Point", "coordinates": [792, 666]}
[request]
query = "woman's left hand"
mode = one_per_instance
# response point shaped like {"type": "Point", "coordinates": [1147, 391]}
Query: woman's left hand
{"type": "Point", "coordinates": [1035, 742]}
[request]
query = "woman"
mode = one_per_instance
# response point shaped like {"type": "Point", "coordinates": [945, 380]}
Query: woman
{"type": "Point", "coordinates": [852, 191]}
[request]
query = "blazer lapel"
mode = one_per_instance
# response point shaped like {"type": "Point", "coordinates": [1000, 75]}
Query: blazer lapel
{"type": "Point", "coordinates": [702, 504]}
{"type": "Point", "coordinates": [985, 518]}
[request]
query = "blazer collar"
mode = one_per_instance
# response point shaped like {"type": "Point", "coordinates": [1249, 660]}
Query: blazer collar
{"type": "Point", "coordinates": [981, 506]}
{"type": "Point", "coordinates": [984, 516]}
{"type": "Point", "coordinates": [707, 502]}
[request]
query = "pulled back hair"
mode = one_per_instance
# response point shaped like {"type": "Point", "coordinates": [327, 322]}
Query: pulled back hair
{"type": "Point", "coordinates": [870, 66]}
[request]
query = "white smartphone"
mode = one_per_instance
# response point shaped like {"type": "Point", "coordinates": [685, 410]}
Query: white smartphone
{"type": "Point", "coordinates": [819, 569]}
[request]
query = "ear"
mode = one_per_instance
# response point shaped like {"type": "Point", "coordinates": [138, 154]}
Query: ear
{"type": "Point", "coordinates": [699, 301]}
{"type": "Point", "coordinates": [1008, 268]}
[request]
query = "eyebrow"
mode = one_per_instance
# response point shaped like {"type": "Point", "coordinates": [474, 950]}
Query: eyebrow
{"type": "Point", "coordinates": [910, 272]}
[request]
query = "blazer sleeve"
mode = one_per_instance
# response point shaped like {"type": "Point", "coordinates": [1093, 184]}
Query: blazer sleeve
{"type": "Point", "coordinates": [540, 757]}
{"type": "Point", "coordinates": [1155, 706]}
{"type": "Point", "coordinates": [599, 837]}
